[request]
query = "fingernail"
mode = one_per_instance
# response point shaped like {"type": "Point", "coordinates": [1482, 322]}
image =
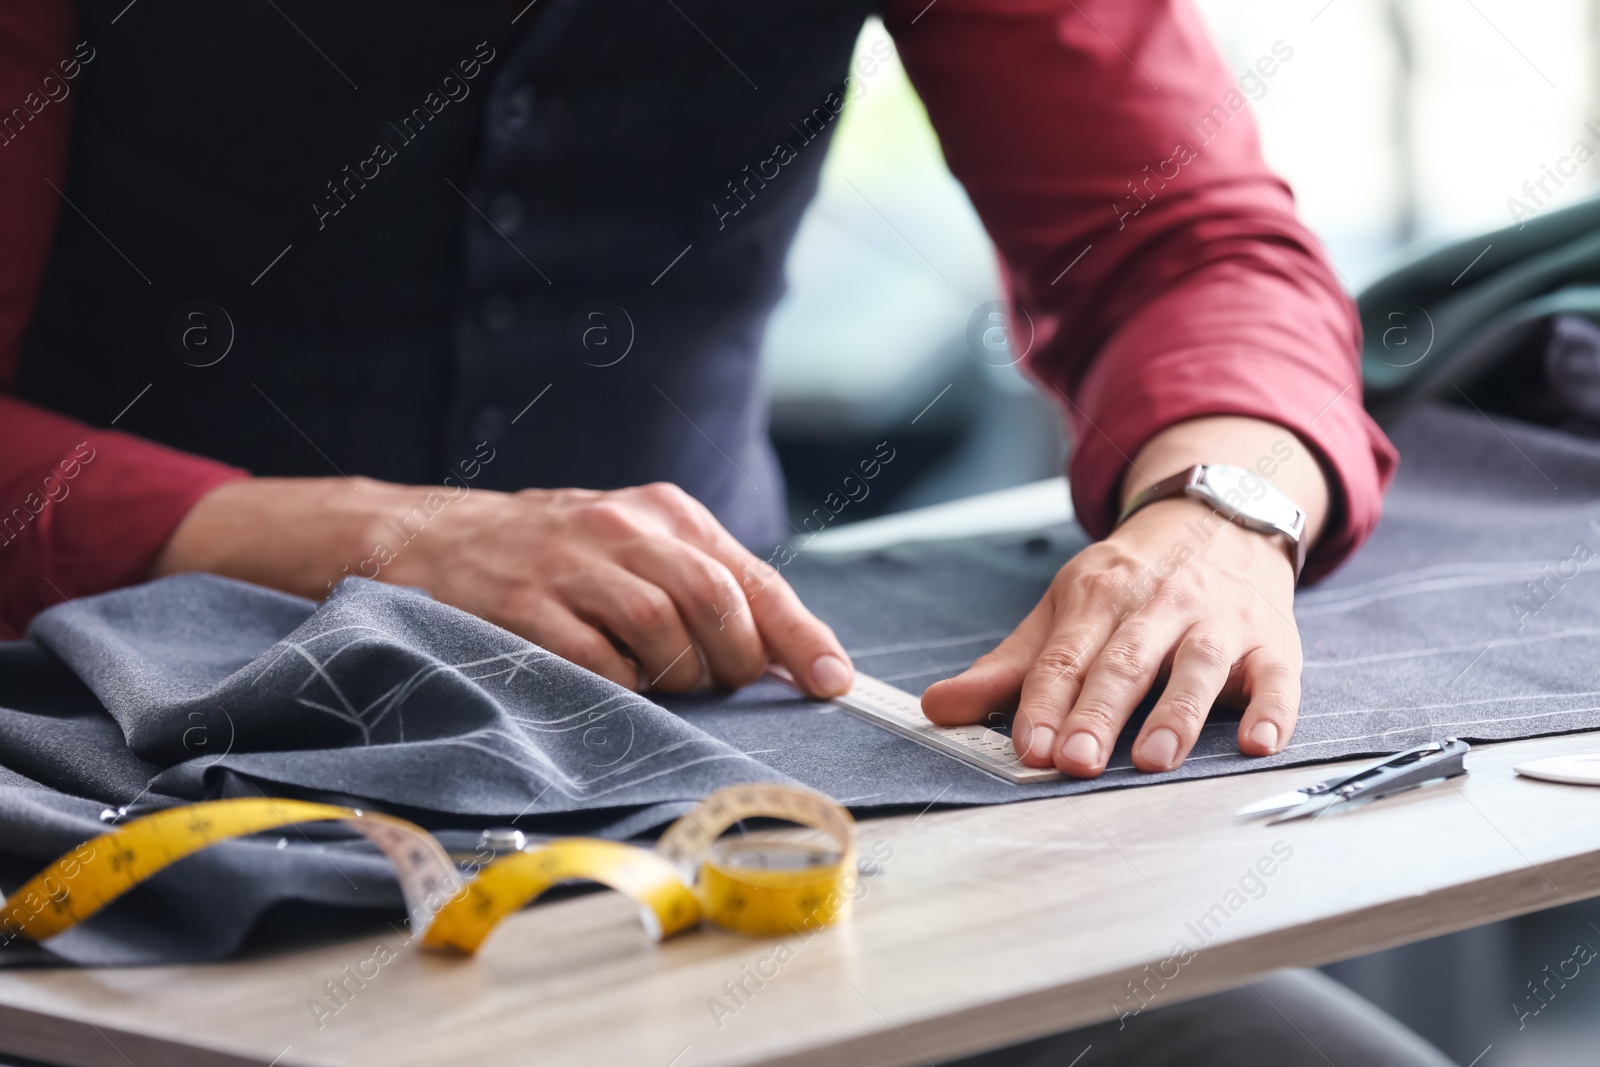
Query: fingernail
{"type": "Point", "coordinates": [831, 676]}
{"type": "Point", "coordinates": [1265, 734]}
{"type": "Point", "coordinates": [1160, 748]}
{"type": "Point", "coordinates": [1041, 739]}
{"type": "Point", "coordinates": [1081, 749]}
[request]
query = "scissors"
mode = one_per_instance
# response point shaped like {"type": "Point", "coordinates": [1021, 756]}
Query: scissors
{"type": "Point", "coordinates": [1415, 767]}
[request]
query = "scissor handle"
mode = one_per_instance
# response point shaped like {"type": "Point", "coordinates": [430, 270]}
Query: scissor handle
{"type": "Point", "coordinates": [1330, 785]}
{"type": "Point", "coordinates": [1406, 770]}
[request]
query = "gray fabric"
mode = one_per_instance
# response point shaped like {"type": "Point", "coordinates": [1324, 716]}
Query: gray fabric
{"type": "Point", "coordinates": [1286, 1019]}
{"type": "Point", "coordinates": [197, 687]}
{"type": "Point", "coordinates": [1418, 638]}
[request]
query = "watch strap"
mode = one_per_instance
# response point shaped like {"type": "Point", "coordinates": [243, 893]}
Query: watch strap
{"type": "Point", "coordinates": [1181, 483]}
{"type": "Point", "coordinates": [1167, 488]}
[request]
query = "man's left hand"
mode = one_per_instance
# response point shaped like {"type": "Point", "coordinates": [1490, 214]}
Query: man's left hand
{"type": "Point", "coordinates": [1174, 593]}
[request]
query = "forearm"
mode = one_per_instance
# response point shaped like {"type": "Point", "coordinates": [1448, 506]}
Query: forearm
{"type": "Point", "coordinates": [1272, 451]}
{"type": "Point", "coordinates": [294, 534]}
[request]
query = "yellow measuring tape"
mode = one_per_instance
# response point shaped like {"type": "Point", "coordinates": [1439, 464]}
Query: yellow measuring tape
{"type": "Point", "coordinates": [753, 885]}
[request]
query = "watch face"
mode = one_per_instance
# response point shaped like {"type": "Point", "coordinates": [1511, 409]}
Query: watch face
{"type": "Point", "coordinates": [1250, 496]}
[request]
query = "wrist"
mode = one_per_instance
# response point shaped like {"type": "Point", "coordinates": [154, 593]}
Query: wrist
{"type": "Point", "coordinates": [1168, 533]}
{"type": "Point", "coordinates": [1267, 449]}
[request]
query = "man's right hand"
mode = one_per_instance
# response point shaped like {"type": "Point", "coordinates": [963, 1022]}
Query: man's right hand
{"type": "Point", "coordinates": [641, 585]}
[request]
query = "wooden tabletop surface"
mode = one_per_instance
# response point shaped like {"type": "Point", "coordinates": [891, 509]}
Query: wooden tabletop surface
{"type": "Point", "coordinates": [985, 926]}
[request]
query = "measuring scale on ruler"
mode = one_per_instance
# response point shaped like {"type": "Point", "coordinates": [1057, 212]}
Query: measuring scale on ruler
{"type": "Point", "coordinates": [895, 709]}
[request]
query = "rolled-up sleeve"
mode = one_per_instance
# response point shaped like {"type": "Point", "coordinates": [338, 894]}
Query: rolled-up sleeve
{"type": "Point", "coordinates": [1113, 158]}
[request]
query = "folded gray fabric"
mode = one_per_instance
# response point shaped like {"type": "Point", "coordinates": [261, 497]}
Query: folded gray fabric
{"type": "Point", "coordinates": [196, 687]}
{"type": "Point", "coordinates": [1473, 613]}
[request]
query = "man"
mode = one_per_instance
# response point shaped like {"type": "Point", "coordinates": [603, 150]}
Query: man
{"type": "Point", "coordinates": [290, 291]}
{"type": "Point", "coordinates": [386, 219]}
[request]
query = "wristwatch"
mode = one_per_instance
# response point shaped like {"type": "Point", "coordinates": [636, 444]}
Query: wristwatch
{"type": "Point", "coordinates": [1241, 496]}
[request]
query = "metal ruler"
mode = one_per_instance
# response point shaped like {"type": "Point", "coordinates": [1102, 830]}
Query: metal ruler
{"type": "Point", "coordinates": [895, 709]}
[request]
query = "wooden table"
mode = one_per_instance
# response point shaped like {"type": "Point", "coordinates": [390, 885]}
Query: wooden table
{"type": "Point", "coordinates": [986, 926]}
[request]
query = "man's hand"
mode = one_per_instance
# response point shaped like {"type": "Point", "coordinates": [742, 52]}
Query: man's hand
{"type": "Point", "coordinates": [1176, 593]}
{"type": "Point", "coordinates": [640, 585]}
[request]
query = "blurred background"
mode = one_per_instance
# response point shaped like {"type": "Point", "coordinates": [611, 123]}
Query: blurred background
{"type": "Point", "coordinates": [1400, 124]}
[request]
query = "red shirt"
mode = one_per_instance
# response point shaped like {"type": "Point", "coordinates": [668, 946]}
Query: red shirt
{"type": "Point", "coordinates": [1109, 153]}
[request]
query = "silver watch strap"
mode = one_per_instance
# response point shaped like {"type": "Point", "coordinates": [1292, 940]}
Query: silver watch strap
{"type": "Point", "coordinates": [1179, 485]}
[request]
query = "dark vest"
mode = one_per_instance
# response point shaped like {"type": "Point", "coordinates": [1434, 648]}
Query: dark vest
{"type": "Point", "coordinates": [405, 221]}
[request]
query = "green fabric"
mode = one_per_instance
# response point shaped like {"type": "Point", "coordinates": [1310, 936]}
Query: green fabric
{"type": "Point", "coordinates": [1441, 319]}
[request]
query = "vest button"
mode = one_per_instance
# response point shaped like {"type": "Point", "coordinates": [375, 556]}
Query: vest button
{"type": "Point", "coordinates": [489, 424]}
{"type": "Point", "coordinates": [505, 212]}
{"type": "Point", "coordinates": [498, 313]}
{"type": "Point", "coordinates": [518, 109]}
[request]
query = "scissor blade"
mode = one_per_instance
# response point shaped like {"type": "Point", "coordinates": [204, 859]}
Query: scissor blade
{"type": "Point", "coordinates": [1276, 802]}
{"type": "Point", "coordinates": [1310, 806]}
